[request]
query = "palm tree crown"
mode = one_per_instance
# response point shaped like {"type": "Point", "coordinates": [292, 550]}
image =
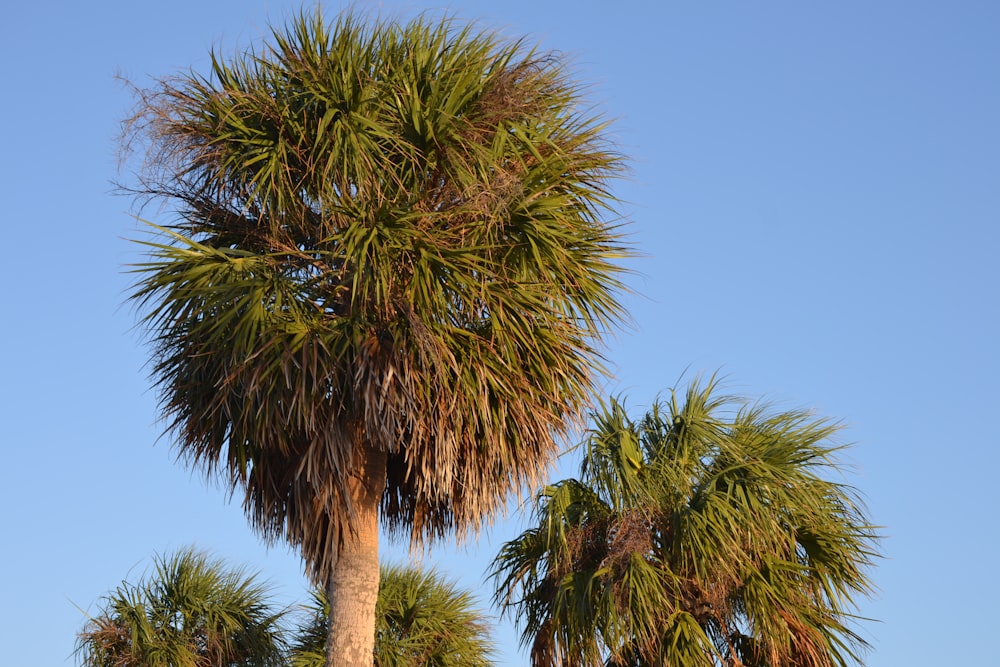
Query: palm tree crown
{"type": "Point", "coordinates": [192, 612]}
{"type": "Point", "coordinates": [384, 291]}
{"type": "Point", "coordinates": [704, 534]}
{"type": "Point", "coordinates": [391, 264]}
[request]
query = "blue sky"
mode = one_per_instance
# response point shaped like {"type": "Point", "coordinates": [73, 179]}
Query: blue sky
{"type": "Point", "coordinates": [816, 194]}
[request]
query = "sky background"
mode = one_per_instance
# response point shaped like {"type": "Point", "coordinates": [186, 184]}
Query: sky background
{"type": "Point", "coordinates": [814, 190]}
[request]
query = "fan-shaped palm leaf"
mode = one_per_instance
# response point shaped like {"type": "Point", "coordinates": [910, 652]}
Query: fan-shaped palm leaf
{"type": "Point", "coordinates": [707, 533]}
{"type": "Point", "coordinates": [192, 611]}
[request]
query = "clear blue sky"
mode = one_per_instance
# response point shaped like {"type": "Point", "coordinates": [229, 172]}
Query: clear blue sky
{"type": "Point", "coordinates": [816, 191]}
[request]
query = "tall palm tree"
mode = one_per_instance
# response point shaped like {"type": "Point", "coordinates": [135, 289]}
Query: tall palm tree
{"type": "Point", "coordinates": [421, 621]}
{"type": "Point", "coordinates": [707, 533]}
{"type": "Point", "coordinates": [382, 297]}
{"type": "Point", "coordinates": [191, 612]}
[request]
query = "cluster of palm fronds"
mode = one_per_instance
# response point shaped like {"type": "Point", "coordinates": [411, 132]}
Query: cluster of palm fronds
{"type": "Point", "coordinates": [193, 611]}
{"type": "Point", "coordinates": [707, 533]}
{"type": "Point", "coordinates": [392, 241]}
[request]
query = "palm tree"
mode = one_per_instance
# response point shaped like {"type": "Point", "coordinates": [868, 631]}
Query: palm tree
{"type": "Point", "coordinates": [192, 612]}
{"type": "Point", "coordinates": [383, 294]}
{"type": "Point", "coordinates": [704, 534]}
{"type": "Point", "coordinates": [421, 621]}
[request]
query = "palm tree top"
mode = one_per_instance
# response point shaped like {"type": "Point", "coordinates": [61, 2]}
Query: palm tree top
{"type": "Point", "coordinates": [712, 531]}
{"type": "Point", "coordinates": [395, 251]}
{"type": "Point", "coordinates": [191, 610]}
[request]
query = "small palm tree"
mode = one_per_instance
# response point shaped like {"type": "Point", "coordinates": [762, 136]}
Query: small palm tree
{"type": "Point", "coordinates": [421, 621]}
{"type": "Point", "coordinates": [704, 534]}
{"type": "Point", "coordinates": [384, 293]}
{"type": "Point", "coordinates": [191, 612]}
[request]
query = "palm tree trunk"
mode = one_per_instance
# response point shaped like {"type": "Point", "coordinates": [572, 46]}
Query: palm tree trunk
{"type": "Point", "coordinates": [354, 581]}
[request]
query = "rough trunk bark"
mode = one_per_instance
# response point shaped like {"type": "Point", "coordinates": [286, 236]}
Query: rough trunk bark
{"type": "Point", "coordinates": [353, 584]}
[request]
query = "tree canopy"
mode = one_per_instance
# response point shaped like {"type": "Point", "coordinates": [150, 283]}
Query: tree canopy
{"type": "Point", "coordinates": [709, 532]}
{"type": "Point", "coordinates": [191, 611]}
{"type": "Point", "coordinates": [382, 297]}
{"type": "Point", "coordinates": [392, 241]}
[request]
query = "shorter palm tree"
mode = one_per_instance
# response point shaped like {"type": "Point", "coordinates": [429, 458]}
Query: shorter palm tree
{"type": "Point", "coordinates": [421, 621]}
{"type": "Point", "coordinates": [704, 534]}
{"type": "Point", "coordinates": [192, 611]}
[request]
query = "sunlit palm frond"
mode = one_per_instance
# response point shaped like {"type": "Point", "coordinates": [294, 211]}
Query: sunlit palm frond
{"type": "Point", "coordinates": [192, 611]}
{"type": "Point", "coordinates": [707, 533]}
{"type": "Point", "coordinates": [392, 240]}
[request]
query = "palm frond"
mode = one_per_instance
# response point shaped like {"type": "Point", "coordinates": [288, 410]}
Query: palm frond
{"type": "Point", "coordinates": [708, 532]}
{"type": "Point", "coordinates": [192, 611]}
{"type": "Point", "coordinates": [390, 238]}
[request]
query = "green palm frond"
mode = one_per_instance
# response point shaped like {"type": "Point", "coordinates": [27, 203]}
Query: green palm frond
{"type": "Point", "coordinates": [707, 533]}
{"type": "Point", "coordinates": [395, 239]}
{"type": "Point", "coordinates": [192, 611]}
